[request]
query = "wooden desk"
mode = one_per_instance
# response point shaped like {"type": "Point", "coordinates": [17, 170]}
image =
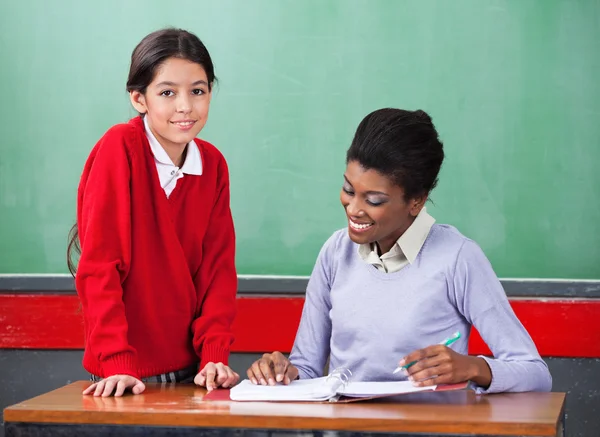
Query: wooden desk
{"type": "Point", "coordinates": [167, 409]}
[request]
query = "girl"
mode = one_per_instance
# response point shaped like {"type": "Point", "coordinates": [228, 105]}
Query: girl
{"type": "Point", "coordinates": [156, 274]}
{"type": "Point", "coordinates": [394, 282]}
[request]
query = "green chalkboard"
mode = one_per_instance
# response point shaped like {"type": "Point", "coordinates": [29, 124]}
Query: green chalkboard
{"type": "Point", "coordinates": [512, 86]}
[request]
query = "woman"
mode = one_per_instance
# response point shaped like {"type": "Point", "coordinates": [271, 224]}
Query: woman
{"type": "Point", "coordinates": [386, 291]}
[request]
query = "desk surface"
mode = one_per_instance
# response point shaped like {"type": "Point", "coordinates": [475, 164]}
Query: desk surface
{"type": "Point", "coordinates": [173, 405]}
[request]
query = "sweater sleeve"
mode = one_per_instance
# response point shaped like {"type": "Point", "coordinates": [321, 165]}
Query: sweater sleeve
{"type": "Point", "coordinates": [104, 224]}
{"type": "Point", "coordinates": [216, 280]}
{"type": "Point", "coordinates": [312, 344]}
{"type": "Point", "coordinates": [517, 365]}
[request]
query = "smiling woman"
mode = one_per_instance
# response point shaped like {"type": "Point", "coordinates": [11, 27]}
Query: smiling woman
{"type": "Point", "coordinates": [387, 291]}
{"type": "Point", "coordinates": [383, 193]}
{"type": "Point", "coordinates": [156, 274]}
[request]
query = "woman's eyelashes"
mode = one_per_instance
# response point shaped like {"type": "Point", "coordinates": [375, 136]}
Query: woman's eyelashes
{"type": "Point", "coordinates": [375, 202]}
{"type": "Point", "coordinates": [371, 201]}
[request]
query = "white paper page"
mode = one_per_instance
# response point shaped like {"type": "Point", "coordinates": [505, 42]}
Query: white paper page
{"type": "Point", "coordinates": [365, 389]}
{"type": "Point", "coordinates": [318, 389]}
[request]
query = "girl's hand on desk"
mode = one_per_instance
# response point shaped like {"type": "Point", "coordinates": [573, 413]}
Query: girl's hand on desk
{"type": "Point", "coordinates": [116, 383]}
{"type": "Point", "coordinates": [270, 368]}
{"type": "Point", "coordinates": [216, 375]}
{"type": "Point", "coordinates": [439, 364]}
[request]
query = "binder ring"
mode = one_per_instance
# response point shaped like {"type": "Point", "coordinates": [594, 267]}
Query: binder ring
{"type": "Point", "coordinates": [341, 374]}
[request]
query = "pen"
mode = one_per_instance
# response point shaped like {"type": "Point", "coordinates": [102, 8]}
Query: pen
{"type": "Point", "coordinates": [446, 342]}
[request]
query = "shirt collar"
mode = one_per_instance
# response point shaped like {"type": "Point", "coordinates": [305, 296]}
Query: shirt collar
{"type": "Point", "coordinates": [414, 237]}
{"type": "Point", "coordinates": [193, 160]}
{"type": "Point", "coordinates": [409, 243]}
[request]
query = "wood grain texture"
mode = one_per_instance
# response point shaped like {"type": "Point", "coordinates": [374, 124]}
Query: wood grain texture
{"type": "Point", "coordinates": [527, 414]}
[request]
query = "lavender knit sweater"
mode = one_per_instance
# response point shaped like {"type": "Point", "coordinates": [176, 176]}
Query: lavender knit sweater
{"type": "Point", "coordinates": [366, 320]}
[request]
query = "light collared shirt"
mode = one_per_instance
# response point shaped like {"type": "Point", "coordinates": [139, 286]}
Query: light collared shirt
{"type": "Point", "coordinates": [406, 248]}
{"type": "Point", "coordinates": [169, 173]}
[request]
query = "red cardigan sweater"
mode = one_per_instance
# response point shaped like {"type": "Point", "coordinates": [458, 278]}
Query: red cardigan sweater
{"type": "Point", "coordinates": [156, 276]}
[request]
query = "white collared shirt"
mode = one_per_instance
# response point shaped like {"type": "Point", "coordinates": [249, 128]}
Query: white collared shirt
{"type": "Point", "coordinates": [406, 248]}
{"type": "Point", "coordinates": [169, 173]}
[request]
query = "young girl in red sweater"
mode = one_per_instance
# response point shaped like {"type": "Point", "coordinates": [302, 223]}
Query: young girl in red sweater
{"type": "Point", "coordinates": [156, 274]}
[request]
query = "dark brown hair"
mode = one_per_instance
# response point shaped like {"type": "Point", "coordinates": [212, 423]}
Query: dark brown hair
{"type": "Point", "coordinates": [402, 145]}
{"type": "Point", "coordinates": [161, 45]}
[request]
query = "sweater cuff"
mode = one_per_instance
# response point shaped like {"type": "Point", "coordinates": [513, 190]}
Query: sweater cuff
{"type": "Point", "coordinates": [214, 353]}
{"type": "Point", "coordinates": [500, 378]}
{"type": "Point", "coordinates": [124, 363]}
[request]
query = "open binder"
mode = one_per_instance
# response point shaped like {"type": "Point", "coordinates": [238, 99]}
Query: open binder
{"type": "Point", "coordinates": [336, 387]}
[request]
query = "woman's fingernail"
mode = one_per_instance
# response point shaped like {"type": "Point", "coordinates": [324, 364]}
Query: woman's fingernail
{"type": "Point", "coordinates": [263, 382]}
{"type": "Point", "coordinates": [402, 362]}
{"type": "Point", "coordinates": [279, 378]}
{"type": "Point", "coordinates": [410, 378]}
{"type": "Point", "coordinates": [271, 381]}
{"type": "Point", "coordinates": [253, 381]}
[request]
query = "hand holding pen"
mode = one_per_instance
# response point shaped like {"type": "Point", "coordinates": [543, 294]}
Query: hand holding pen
{"type": "Point", "coordinates": [438, 364]}
{"type": "Point", "coordinates": [447, 342]}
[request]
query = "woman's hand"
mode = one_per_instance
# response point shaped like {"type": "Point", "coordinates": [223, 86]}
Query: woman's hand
{"type": "Point", "coordinates": [439, 364]}
{"type": "Point", "coordinates": [116, 383]}
{"type": "Point", "coordinates": [216, 375]}
{"type": "Point", "coordinates": [271, 368]}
